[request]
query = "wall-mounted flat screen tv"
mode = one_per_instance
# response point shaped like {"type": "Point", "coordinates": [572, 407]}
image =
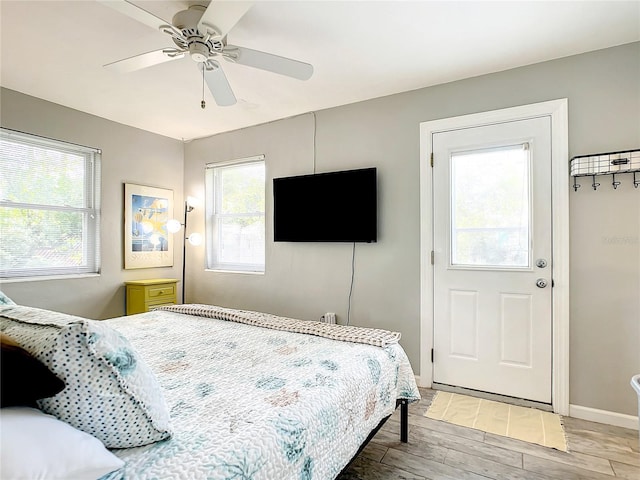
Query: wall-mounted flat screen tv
{"type": "Point", "coordinates": [326, 207]}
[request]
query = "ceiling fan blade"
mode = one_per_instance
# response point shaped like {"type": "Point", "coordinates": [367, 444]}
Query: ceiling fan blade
{"type": "Point", "coordinates": [135, 12]}
{"type": "Point", "coordinates": [221, 16]}
{"type": "Point", "coordinates": [268, 61]}
{"type": "Point", "coordinates": [218, 84]}
{"type": "Point", "coordinates": [144, 60]}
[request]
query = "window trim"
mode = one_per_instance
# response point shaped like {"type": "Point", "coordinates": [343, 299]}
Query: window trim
{"type": "Point", "coordinates": [91, 211]}
{"type": "Point", "coordinates": [212, 200]}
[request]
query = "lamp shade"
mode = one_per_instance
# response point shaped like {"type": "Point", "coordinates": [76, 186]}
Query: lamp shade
{"type": "Point", "coordinates": [195, 238]}
{"type": "Point", "coordinates": [192, 202]}
{"type": "Point", "coordinates": [173, 226]}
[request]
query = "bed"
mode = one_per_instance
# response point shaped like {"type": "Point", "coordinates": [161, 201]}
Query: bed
{"type": "Point", "coordinates": [246, 395]}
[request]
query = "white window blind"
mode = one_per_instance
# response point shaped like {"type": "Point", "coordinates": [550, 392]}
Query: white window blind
{"type": "Point", "coordinates": [236, 215]}
{"type": "Point", "coordinates": [49, 207]}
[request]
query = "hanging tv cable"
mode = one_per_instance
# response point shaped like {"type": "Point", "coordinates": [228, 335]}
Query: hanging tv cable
{"type": "Point", "coordinates": [353, 261]}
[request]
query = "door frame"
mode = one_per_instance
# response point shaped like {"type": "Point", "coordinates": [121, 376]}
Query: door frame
{"type": "Point", "coordinates": [558, 111]}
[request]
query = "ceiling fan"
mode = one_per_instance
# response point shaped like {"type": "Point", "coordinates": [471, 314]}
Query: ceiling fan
{"type": "Point", "coordinates": [201, 32]}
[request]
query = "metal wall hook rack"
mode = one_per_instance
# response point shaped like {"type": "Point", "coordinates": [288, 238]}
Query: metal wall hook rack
{"type": "Point", "coordinates": [611, 163]}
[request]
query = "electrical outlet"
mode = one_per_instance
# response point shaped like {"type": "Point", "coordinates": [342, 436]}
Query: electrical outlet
{"type": "Point", "coordinates": [330, 317]}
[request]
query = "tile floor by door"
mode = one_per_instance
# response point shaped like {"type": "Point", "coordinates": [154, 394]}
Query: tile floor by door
{"type": "Point", "coordinates": [439, 451]}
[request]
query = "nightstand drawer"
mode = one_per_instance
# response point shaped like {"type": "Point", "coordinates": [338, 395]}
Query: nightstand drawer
{"type": "Point", "coordinates": [152, 305]}
{"type": "Point", "coordinates": [166, 290]}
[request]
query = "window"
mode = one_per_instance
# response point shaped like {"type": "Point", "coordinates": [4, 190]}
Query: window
{"type": "Point", "coordinates": [235, 215]}
{"type": "Point", "coordinates": [49, 207]}
{"type": "Point", "coordinates": [491, 208]}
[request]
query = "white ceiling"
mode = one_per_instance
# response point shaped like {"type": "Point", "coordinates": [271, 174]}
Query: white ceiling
{"type": "Point", "coordinates": [56, 50]}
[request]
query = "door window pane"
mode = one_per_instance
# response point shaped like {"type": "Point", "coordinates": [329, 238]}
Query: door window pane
{"type": "Point", "coordinates": [490, 209]}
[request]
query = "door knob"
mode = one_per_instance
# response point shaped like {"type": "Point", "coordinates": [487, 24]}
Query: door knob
{"type": "Point", "coordinates": [541, 283]}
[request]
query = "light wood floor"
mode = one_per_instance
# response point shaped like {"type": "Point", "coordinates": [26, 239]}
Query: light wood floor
{"type": "Point", "coordinates": [438, 450]}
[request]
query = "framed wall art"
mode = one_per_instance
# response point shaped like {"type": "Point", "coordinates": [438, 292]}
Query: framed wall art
{"type": "Point", "coordinates": [147, 243]}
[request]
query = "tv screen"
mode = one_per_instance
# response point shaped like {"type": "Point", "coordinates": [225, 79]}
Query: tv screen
{"type": "Point", "coordinates": [326, 207]}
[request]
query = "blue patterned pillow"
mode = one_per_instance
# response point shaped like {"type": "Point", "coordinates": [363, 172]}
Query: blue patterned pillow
{"type": "Point", "coordinates": [110, 391]}
{"type": "Point", "coordinates": [4, 300]}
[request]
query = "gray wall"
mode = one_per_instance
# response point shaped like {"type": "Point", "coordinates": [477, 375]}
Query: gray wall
{"type": "Point", "coordinates": [307, 280]}
{"type": "Point", "coordinates": [128, 155]}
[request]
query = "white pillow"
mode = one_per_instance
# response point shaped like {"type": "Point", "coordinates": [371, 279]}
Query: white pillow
{"type": "Point", "coordinates": [38, 446]}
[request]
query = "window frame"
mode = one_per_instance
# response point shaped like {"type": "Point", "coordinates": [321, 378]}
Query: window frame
{"type": "Point", "coordinates": [90, 211]}
{"type": "Point", "coordinates": [212, 217]}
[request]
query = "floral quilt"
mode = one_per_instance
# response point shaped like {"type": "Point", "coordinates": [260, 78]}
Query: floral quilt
{"type": "Point", "coordinates": [248, 402]}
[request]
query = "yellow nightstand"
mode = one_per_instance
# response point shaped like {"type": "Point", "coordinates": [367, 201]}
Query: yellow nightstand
{"type": "Point", "coordinates": [145, 295]}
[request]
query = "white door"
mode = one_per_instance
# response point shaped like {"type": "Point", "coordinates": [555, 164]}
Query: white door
{"type": "Point", "coordinates": [492, 258]}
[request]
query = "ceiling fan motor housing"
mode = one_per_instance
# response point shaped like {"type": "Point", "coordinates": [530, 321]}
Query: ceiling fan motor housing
{"type": "Point", "coordinates": [188, 19]}
{"type": "Point", "coordinates": [200, 49]}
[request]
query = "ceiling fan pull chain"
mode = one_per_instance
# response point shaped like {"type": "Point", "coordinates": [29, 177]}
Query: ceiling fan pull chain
{"type": "Point", "coordinates": [203, 104]}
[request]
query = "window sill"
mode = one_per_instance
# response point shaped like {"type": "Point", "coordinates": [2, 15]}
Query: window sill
{"type": "Point", "coordinates": [49, 277]}
{"type": "Point", "coordinates": [245, 272]}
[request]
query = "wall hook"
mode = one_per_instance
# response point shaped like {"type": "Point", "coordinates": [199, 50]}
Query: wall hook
{"type": "Point", "coordinates": [576, 185]}
{"type": "Point", "coordinates": [635, 181]}
{"type": "Point", "coordinates": [594, 184]}
{"type": "Point", "coordinates": [614, 183]}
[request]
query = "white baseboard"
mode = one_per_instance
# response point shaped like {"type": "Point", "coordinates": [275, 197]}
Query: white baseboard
{"type": "Point", "coordinates": [603, 416]}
